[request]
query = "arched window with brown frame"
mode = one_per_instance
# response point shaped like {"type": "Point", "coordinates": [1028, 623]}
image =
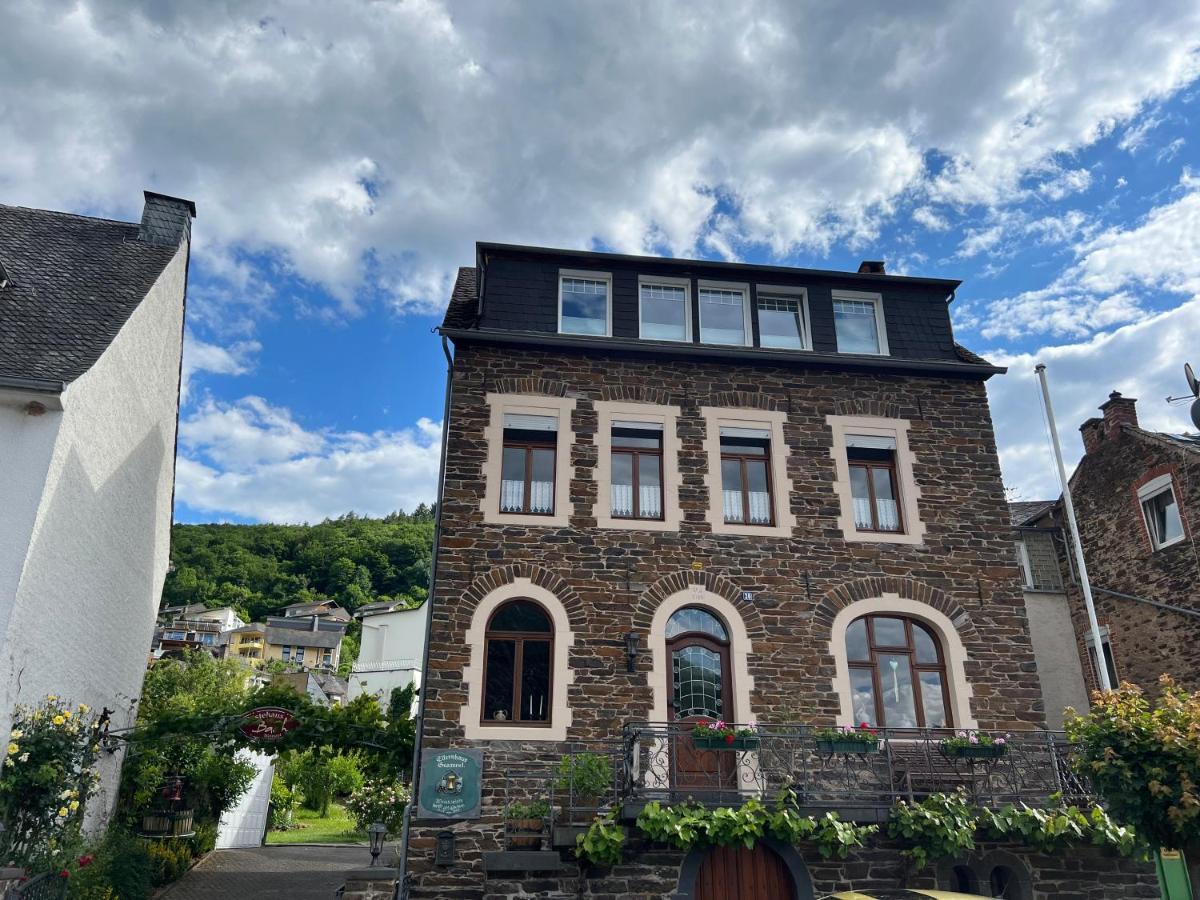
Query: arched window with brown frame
{"type": "Point", "coordinates": [518, 665]}
{"type": "Point", "coordinates": [897, 673]}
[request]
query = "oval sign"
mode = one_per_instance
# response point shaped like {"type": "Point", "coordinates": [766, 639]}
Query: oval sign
{"type": "Point", "coordinates": [268, 723]}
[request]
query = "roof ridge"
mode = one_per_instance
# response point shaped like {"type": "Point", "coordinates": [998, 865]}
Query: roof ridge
{"type": "Point", "coordinates": [69, 215]}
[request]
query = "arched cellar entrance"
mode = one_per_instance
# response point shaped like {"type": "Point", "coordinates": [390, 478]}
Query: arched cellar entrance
{"type": "Point", "coordinates": [769, 871]}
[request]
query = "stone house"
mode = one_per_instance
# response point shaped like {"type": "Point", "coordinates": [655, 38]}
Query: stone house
{"type": "Point", "coordinates": [678, 491]}
{"type": "Point", "coordinates": [1136, 493]}
{"type": "Point", "coordinates": [91, 336]}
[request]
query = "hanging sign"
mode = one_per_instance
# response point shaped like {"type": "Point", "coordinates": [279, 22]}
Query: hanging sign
{"type": "Point", "coordinates": [450, 784]}
{"type": "Point", "coordinates": [268, 724]}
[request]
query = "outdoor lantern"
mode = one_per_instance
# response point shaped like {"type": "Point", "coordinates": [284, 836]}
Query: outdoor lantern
{"type": "Point", "coordinates": [631, 650]}
{"type": "Point", "coordinates": [377, 831]}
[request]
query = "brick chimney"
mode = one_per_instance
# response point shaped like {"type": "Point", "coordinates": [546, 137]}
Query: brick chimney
{"type": "Point", "coordinates": [871, 267]}
{"type": "Point", "coordinates": [1093, 434]}
{"type": "Point", "coordinates": [1118, 411]}
{"type": "Point", "coordinates": [166, 220]}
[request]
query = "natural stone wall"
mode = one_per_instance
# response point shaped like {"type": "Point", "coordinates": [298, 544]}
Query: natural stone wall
{"type": "Point", "coordinates": [611, 581]}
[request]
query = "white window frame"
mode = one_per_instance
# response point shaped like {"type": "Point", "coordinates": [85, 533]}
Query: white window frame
{"type": "Point", "coordinates": [686, 284]}
{"type": "Point", "coordinates": [609, 411]}
{"type": "Point", "coordinates": [741, 287]}
{"type": "Point", "coordinates": [782, 489]}
{"type": "Point", "coordinates": [909, 493]}
{"type": "Point", "coordinates": [1105, 641]}
{"type": "Point", "coordinates": [1149, 491]}
{"type": "Point", "coordinates": [533, 405]}
{"type": "Point", "coordinates": [800, 295]}
{"type": "Point", "coordinates": [880, 325]}
{"type": "Point", "coordinates": [606, 277]}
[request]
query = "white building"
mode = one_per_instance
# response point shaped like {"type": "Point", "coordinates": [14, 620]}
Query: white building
{"type": "Point", "coordinates": [391, 650]}
{"type": "Point", "coordinates": [91, 337]}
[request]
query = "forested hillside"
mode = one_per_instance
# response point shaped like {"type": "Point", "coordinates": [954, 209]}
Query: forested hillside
{"type": "Point", "coordinates": [262, 568]}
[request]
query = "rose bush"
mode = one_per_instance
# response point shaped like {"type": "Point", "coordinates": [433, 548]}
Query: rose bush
{"type": "Point", "coordinates": [379, 800]}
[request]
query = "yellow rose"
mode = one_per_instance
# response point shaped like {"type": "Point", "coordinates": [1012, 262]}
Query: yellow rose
{"type": "Point", "coordinates": [62, 812]}
{"type": "Point", "coordinates": [84, 708]}
{"type": "Point", "coordinates": [58, 720]}
{"type": "Point", "coordinates": [17, 733]}
{"type": "Point", "coordinates": [13, 749]}
{"type": "Point", "coordinates": [74, 805]}
{"type": "Point", "coordinates": [51, 698]}
{"type": "Point", "coordinates": [67, 713]}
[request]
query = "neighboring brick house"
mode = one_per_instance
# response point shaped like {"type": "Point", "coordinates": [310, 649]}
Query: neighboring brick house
{"type": "Point", "coordinates": [91, 339]}
{"type": "Point", "coordinates": [681, 490]}
{"type": "Point", "coordinates": [1136, 496]}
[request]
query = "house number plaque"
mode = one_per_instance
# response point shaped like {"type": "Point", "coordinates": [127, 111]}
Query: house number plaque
{"type": "Point", "coordinates": [450, 784]}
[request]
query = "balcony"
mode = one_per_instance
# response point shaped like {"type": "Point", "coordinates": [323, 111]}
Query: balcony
{"type": "Point", "coordinates": [661, 761]}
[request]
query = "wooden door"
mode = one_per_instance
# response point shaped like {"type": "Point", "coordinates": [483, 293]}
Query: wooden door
{"type": "Point", "coordinates": [735, 873]}
{"type": "Point", "coordinates": [700, 692]}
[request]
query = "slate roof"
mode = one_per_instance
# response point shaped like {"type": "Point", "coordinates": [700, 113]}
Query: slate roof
{"type": "Point", "coordinates": [298, 632]}
{"type": "Point", "coordinates": [1024, 510]}
{"type": "Point", "coordinates": [73, 281]}
{"type": "Point", "coordinates": [461, 311]}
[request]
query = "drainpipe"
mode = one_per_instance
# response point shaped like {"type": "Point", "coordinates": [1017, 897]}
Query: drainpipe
{"type": "Point", "coordinates": [402, 881]}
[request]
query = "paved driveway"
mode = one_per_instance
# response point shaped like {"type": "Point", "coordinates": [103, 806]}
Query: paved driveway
{"type": "Point", "coordinates": [311, 872]}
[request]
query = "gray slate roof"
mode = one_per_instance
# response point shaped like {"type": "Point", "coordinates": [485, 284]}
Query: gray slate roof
{"type": "Point", "coordinates": [73, 283]}
{"type": "Point", "coordinates": [461, 311]}
{"type": "Point", "coordinates": [1024, 510]}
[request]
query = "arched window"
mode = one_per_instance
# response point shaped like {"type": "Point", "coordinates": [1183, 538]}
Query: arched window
{"type": "Point", "coordinates": [888, 656]}
{"type": "Point", "coordinates": [519, 645]}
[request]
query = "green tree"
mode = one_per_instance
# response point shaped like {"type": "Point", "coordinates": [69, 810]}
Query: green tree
{"type": "Point", "coordinates": [1143, 757]}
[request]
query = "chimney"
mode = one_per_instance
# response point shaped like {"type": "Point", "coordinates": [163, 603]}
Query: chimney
{"type": "Point", "coordinates": [166, 220]}
{"type": "Point", "coordinates": [1093, 434]}
{"type": "Point", "coordinates": [1118, 411]}
{"type": "Point", "coordinates": [871, 267]}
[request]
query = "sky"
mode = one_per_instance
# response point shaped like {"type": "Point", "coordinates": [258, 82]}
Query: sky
{"type": "Point", "coordinates": [345, 157]}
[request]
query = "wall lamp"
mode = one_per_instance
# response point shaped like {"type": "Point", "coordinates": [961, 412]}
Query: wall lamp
{"type": "Point", "coordinates": [631, 651]}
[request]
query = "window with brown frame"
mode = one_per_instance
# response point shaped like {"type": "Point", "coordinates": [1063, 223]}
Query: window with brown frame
{"type": "Point", "coordinates": [528, 464]}
{"type": "Point", "coordinates": [889, 656]}
{"type": "Point", "coordinates": [518, 665]}
{"type": "Point", "coordinates": [746, 476]}
{"type": "Point", "coordinates": [873, 484]}
{"type": "Point", "coordinates": [637, 475]}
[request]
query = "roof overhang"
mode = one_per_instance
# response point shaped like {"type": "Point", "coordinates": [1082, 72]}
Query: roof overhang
{"type": "Point", "coordinates": [19, 391]}
{"type": "Point", "coordinates": [799, 358]}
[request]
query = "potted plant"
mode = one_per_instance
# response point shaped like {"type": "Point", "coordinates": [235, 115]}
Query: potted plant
{"type": "Point", "coordinates": [583, 780]}
{"type": "Point", "coordinates": [525, 823]}
{"type": "Point", "coordinates": [974, 745]}
{"type": "Point", "coordinates": [861, 739]}
{"type": "Point", "coordinates": [719, 736]}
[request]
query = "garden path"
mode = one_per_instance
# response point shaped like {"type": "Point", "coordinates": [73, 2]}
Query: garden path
{"type": "Point", "coordinates": [312, 872]}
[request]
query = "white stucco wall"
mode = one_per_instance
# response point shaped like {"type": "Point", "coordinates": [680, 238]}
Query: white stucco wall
{"type": "Point", "coordinates": [78, 620]}
{"type": "Point", "coordinates": [1057, 656]}
{"type": "Point", "coordinates": [390, 653]}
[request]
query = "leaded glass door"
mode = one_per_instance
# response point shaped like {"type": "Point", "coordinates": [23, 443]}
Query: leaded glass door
{"type": "Point", "coordinates": [700, 691]}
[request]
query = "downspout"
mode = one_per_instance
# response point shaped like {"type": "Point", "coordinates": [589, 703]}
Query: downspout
{"type": "Point", "coordinates": [415, 782]}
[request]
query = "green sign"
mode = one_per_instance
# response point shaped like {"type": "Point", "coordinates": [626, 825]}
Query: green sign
{"type": "Point", "coordinates": [450, 784]}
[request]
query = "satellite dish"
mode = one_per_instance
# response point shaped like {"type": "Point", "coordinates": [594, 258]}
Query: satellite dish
{"type": "Point", "coordinates": [1191, 380]}
{"type": "Point", "coordinates": [1196, 414]}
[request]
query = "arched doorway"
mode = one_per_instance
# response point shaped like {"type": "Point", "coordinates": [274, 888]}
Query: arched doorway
{"type": "Point", "coordinates": [769, 871]}
{"type": "Point", "coordinates": [701, 690]}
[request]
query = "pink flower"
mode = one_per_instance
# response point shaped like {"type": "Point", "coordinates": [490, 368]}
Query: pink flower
{"type": "Point", "coordinates": [973, 739]}
{"type": "Point", "coordinates": [999, 741]}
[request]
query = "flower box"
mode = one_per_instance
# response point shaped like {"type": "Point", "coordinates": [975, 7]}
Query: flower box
{"type": "Point", "coordinates": [525, 834]}
{"type": "Point", "coordinates": [721, 743]}
{"type": "Point", "coordinates": [860, 747]}
{"type": "Point", "coordinates": [976, 751]}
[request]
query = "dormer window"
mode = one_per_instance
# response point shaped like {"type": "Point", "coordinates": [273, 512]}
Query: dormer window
{"type": "Point", "coordinates": [664, 309]}
{"type": "Point", "coordinates": [782, 321]}
{"type": "Point", "coordinates": [858, 321]}
{"type": "Point", "coordinates": [584, 303]}
{"type": "Point", "coordinates": [724, 314]}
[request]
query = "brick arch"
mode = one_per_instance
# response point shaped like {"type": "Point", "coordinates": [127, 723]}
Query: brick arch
{"type": "Point", "coordinates": [635, 393]}
{"type": "Point", "coordinates": [859, 407]}
{"type": "Point", "coordinates": [909, 588]}
{"type": "Point", "coordinates": [744, 400]}
{"type": "Point", "coordinates": [502, 575]}
{"type": "Point", "coordinates": [683, 580]}
{"type": "Point", "coordinates": [531, 385]}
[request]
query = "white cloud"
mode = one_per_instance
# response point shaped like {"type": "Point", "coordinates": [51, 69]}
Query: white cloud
{"type": "Point", "coordinates": [1170, 151]}
{"type": "Point", "coordinates": [254, 460]}
{"type": "Point", "coordinates": [1081, 377]}
{"type": "Point", "coordinates": [1071, 181]}
{"type": "Point", "coordinates": [925, 216]}
{"type": "Point", "coordinates": [201, 356]}
{"type": "Point", "coordinates": [308, 139]}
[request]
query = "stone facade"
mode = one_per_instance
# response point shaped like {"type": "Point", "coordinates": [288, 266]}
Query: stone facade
{"type": "Point", "coordinates": [782, 594]}
{"type": "Point", "coordinates": [1146, 641]}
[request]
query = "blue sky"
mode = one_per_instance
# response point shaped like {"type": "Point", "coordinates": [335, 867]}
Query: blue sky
{"type": "Point", "coordinates": [344, 161]}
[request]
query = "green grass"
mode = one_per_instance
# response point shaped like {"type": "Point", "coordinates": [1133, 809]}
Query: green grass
{"type": "Point", "coordinates": [336, 828]}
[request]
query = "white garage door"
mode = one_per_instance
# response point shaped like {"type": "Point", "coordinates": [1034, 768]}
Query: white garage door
{"type": "Point", "coordinates": [245, 824]}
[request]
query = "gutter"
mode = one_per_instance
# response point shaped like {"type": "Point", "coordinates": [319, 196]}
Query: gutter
{"type": "Point", "coordinates": [419, 722]}
{"type": "Point", "coordinates": [35, 394]}
{"type": "Point", "coordinates": [36, 385]}
{"type": "Point", "coordinates": [741, 354]}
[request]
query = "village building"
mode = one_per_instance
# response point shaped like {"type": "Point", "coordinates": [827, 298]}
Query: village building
{"type": "Point", "coordinates": [391, 649]}
{"type": "Point", "coordinates": [91, 336]}
{"type": "Point", "coordinates": [680, 491]}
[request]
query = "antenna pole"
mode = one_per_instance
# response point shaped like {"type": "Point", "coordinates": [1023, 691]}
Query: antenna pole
{"type": "Point", "coordinates": [1097, 644]}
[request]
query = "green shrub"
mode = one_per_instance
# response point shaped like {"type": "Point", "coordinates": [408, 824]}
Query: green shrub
{"type": "Point", "coordinates": [379, 800]}
{"type": "Point", "coordinates": [584, 776]}
{"type": "Point", "coordinates": [283, 804]}
{"type": "Point", "coordinates": [169, 860]}
{"type": "Point", "coordinates": [118, 863]}
{"type": "Point", "coordinates": [205, 839]}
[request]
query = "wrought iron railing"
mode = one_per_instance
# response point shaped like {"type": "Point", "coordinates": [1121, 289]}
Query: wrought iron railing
{"type": "Point", "coordinates": [48, 886]}
{"type": "Point", "coordinates": [662, 761]}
